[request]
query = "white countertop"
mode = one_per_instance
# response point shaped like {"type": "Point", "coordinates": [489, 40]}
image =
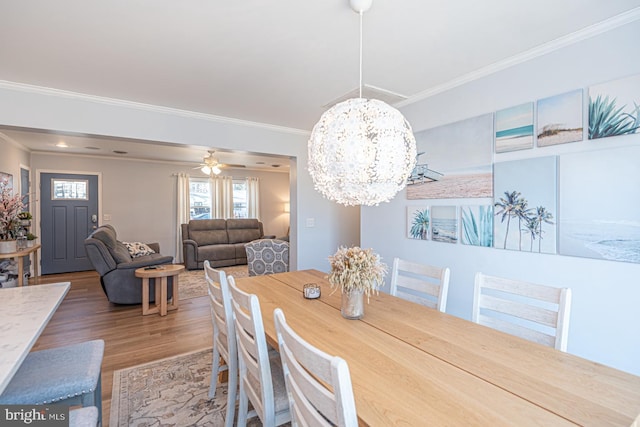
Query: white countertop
{"type": "Point", "coordinates": [24, 313]}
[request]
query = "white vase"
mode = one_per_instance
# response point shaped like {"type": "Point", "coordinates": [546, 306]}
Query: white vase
{"type": "Point", "coordinates": [352, 306]}
{"type": "Point", "coordinates": [8, 246]}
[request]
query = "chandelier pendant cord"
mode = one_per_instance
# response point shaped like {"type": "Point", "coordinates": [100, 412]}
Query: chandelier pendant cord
{"type": "Point", "coordinates": [360, 85]}
{"type": "Point", "coordinates": [361, 151]}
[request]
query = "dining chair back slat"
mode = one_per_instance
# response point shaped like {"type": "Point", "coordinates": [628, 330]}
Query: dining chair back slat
{"type": "Point", "coordinates": [535, 312]}
{"type": "Point", "coordinates": [224, 338]}
{"type": "Point", "coordinates": [261, 378]}
{"type": "Point", "coordinates": [420, 283]}
{"type": "Point", "coordinates": [318, 384]}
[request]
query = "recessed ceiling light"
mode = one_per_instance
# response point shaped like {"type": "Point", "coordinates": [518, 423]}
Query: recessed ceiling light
{"type": "Point", "coordinates": [92, 148]}
{"type": "Point", "coordinates": [62, 144]}
{"type": "Point", "coordinates": [119, 152]}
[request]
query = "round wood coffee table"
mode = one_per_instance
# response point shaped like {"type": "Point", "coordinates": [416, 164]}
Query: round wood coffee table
{"type": "Point", "coordinates": [159, 275]}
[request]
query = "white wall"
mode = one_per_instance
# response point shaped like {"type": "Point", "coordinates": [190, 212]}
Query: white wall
{"type": "Point", "coordinates": [604, 320]}
{"type": "Point", "coordinates": [39, 108]}
{"type": "Point", "coordinates": [11, 158]}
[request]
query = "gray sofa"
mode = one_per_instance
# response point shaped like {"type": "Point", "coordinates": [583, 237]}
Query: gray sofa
{"type": "Point", "coordinates": [112, 261]}
{"type": "Point", "coordinates": [220, 241]}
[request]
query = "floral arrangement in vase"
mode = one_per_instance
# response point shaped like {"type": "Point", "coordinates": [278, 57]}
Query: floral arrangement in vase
{"type": "Point", "coordinates": [10, 207]}
{"type": "Point", "coordinates": [356, 272]}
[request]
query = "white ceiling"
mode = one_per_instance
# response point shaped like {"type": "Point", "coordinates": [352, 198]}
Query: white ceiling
{"type": "Point", "coordinates": [275, 62]}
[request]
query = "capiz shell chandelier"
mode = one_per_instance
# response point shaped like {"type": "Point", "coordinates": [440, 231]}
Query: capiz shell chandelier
{"type": "Point", "coordinates": [361, 152]}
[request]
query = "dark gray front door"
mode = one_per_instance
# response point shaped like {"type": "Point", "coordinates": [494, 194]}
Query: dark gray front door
{"type": "Point", "coordinates": [68, 212]}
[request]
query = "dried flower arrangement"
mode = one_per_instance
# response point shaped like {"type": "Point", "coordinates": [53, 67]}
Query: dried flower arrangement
{"type": "Point", "coordinates": [356, 269]}
{"type": "Point", "coordinates": [10, 207]}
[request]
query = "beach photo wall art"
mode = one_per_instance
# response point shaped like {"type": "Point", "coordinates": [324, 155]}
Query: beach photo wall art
{"type": "Point", "coordinates": [614, 108]}
{"type": "Point", "coordinates": [525, 208]}
{"type": "Point", "coordinates": [600, 204]}
{"type": "Point", "coordinates": [476, 225]}
{"type": "Point", "coordinates": [514, 128]}
{"type": "Point", "coordinates": [418, 222]}
{"type": "Point", "coordinates": [581, 203]}
{"type": "Point", "coordinates": [444, 224]}
{"type": "Point", "coordinates": [559, 119]}
{"type": "Point", "coordinates": [454, 161]}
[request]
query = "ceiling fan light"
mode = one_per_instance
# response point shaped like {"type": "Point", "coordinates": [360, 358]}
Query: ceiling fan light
{"type": "Point", "coordinates": [206, 170]}
{"type": "Point", "coordinates": [216, 170]}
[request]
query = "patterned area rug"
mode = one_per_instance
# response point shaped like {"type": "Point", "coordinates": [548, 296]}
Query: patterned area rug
{"type": "Point", "coordinates": [169, 392]}
{"type": "Point", "coordinates": [193, 285]}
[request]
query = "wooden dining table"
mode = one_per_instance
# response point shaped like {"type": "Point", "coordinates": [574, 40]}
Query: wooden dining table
{"type": "Point", "coordinates": [412, 366]}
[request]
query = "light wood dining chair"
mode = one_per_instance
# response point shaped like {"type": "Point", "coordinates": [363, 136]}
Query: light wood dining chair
{"type": "Point", "coordinates": [420, 283]}
{"type": "Point", "coordinates": [224, 338]}
{"type": "Point", "coordinates": [535, 312]}
{"type": "Point", "coordinates": [307, 372]}
{"type": "Point", "coordinates": [261, 377]}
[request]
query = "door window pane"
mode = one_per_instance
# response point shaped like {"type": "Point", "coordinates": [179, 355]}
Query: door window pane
{"type": "Point", "coordinates": [69, 189]}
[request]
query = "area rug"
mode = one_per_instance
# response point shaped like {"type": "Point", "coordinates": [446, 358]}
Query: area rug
{"type": "Point", "coordinates": [193, 285]}
{"type": "Point", "coordinates": [169, 392]}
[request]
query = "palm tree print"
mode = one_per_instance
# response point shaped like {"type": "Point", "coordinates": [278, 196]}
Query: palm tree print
{"type": "Point", "coordinates": [530, 220]}
{"type": "Point", "coordinates": [522, 212]}
{"type": "Point", "coordinates": [531, 226]}
{"type": "Point", "coordinates": [509, 207]}
{"type": "Point", "coordinates": [542, 216]}
{"type": "Point", "coordinates": [420, 224]}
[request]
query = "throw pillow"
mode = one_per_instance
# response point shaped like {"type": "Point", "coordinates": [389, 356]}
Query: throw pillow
{"type": "Point", "coordinates": [138, 249]}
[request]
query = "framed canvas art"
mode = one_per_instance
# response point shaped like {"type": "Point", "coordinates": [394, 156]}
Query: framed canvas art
{"type": "Point", "coordinates": [444, 226]}
{"type": "Point", "coordinates": [600, 204]}
{"type": "Point", "coordinates": [476, 225]}
{"type": "Point", "coordinates": [8, 178]}
{"type": "Point", "coordinates": [614, 108]}
{"type": "Point", "coordinates": [514, 128]}
{"type": "Point", "coordinates": [418, 222]}
{"type": "Point", "coordinates": [560, 119]}
{"type": "Point", "coordinates": [525, 207]}
{"type": "Point", "coordinates": [454, 161]}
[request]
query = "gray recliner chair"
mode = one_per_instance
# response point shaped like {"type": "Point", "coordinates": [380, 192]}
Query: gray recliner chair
{"type": "Point", "coordinates": [112, 261]}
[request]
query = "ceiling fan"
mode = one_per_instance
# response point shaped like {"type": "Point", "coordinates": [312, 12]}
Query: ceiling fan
{"type": "Point", "coordinates": [210, 164]}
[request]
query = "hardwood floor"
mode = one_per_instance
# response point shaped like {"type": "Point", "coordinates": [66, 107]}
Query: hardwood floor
{"type": "Point", "coordinates": [130, 338]}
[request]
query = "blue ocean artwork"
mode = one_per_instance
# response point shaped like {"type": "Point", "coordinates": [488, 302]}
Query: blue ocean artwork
{"type": "Point", "coordinates": [444, 230]}
{"type": "Point", "coordinates": [615, 241]}
{"type": "Point", "coordinates": [515, 132]}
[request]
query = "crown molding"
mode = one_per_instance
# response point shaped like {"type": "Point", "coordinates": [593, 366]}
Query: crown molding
{"type": "Point", "coordinates": [13, 142]}
{"type": "Point", "coordinates": [143, 160]}
{"type": "Point", "coordinates": [41, 90]}
{"type": "Point", "coordinates": [543, 49]}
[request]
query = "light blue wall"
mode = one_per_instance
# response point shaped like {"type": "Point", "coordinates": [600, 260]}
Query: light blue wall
{"type": "Point", "coordinates": [606, 295]}
{"type": "Point", "coordinates": [335, 225]}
